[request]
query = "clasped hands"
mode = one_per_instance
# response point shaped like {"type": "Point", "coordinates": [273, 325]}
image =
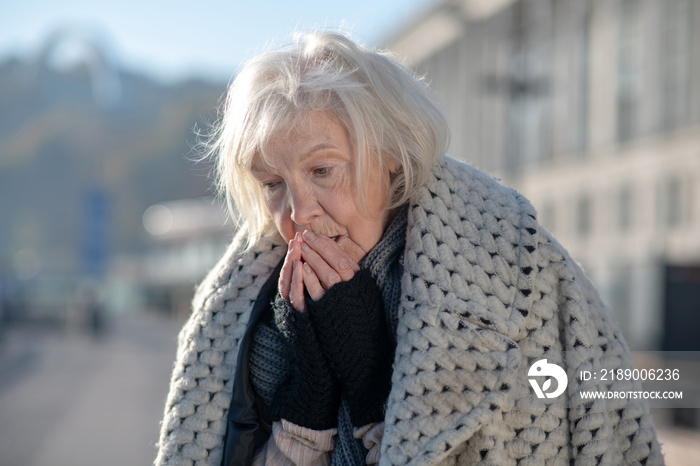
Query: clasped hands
{"type": "Point", "coordinates": [338, 341]}
{"type": "Point", "coordinates": [315, 262]}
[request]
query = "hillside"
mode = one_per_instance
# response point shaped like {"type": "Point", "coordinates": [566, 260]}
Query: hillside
{"type": "Point", "coordinates": [83, 153]}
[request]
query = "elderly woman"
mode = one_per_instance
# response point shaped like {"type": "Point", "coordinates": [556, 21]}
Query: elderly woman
{"type": "Point", "coordinates": [381, 302]}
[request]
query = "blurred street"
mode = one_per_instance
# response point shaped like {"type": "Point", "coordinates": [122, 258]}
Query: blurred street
{"type": "Point", "coordinates": [71, 399]}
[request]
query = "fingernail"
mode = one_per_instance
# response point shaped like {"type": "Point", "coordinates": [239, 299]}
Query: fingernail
{"type": "Point", "coordinates": [305, 247]}
{"type": "Point", "coordinates": [309, 235]}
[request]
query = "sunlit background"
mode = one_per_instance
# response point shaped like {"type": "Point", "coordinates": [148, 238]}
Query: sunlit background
{"type": "Point", "coordinates": [108, 221]}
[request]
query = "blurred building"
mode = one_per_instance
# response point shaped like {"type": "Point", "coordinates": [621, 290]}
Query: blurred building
{"type": "Point", "coordinates": [591, 108]}
{"type": "Point", "coordinates": [189, 236]}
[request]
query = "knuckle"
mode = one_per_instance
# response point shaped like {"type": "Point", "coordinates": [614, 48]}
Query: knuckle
{"type": "Point", "coordinates": [334, 278]}
{"type": "Point", "coordinates": [345, 266]}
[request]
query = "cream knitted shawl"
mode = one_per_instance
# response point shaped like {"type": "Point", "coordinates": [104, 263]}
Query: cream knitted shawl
{"type": "Point", "coordinates": [486, 292]}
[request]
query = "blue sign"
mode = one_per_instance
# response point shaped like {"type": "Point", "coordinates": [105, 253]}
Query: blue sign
{"type": "Point", "coordinates": [94, 243]}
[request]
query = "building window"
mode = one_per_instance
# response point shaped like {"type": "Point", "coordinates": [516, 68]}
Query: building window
{"type": "Point", "coordinates": [670, 202]}
{"type": "Point", "coordinates": [548, 215]}
{"type": "Point", "coordinates": [629, 69]}
{"type": "Point", "coordinates": [623, 209]}
{"type": "Point", "coordinates": [583, 65]}
{"type": "Point", "coordinates": [676, 62]}
{"type": "Point", "coordinates": [620, 294]}
{"type": "Point", "coordinates": [584, 219]}
{"type": "Point", "coordinates": [529, 137]}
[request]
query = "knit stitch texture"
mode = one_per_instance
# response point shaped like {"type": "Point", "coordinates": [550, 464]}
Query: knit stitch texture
{"type": "Point", "coordinates": [352, 332]}
{"type": "Point", "coordinates": [309, 396]}
{"type": "Point", "coordinates": [268, 362]}
{"type": "Point", "coordinates": [485, 293]}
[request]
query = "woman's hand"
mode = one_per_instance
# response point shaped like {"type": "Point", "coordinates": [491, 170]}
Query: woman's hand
{"type": "Point", "coordinates": [346, 311]}
{"type": "Point", "coordinates": [316, 263]}
{"type": "Point", "coordinates": [291, 281]}
{"type": "Point", "coordinates": [327, 262]}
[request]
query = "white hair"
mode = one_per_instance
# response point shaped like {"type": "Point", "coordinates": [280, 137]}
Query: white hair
{"type": "Point", "coordinates": [388, 112]}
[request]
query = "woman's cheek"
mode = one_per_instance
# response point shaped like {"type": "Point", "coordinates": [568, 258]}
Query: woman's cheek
{"type": "Point", "coordinates": [281, 221]}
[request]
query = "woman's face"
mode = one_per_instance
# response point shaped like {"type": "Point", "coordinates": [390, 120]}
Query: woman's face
{"type": "Point", "coordinates": [311, 184]}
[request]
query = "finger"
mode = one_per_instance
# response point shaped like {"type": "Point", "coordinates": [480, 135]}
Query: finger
{"type": "Point", "coordinates": [313, 285]}
{"type": "Point", "coordinates": [296, 249]}
{"type": "Point", "coordinates": [332, 254]}
{"type": "Point", "coordinates": [296, 289]}
{"type": "Point", "coordinates": [323, 271]}
{"type": "Point", "coordinates": [351, 248]}
{"type": "Point", "coordinates": [285, 279]}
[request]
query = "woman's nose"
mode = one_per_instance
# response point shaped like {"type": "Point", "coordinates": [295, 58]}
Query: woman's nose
{"type": "Point", "coordinates": [304, 206]}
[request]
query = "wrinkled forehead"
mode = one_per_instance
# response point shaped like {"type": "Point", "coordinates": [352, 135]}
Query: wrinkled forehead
{"type": "Point", "coordinates": [311, 126]}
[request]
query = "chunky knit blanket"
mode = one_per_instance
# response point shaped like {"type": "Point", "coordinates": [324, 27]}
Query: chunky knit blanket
{"type": "Point", "coordinates": [486, 292]}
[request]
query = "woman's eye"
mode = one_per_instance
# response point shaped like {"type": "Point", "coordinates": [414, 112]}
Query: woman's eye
{"type": "Point", "coordinates": [270, 184]}
{"type": "Point", "coordinates": [322, 170]}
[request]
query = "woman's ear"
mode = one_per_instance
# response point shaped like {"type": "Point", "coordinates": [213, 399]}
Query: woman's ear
{"type": "Point", "coordinates": [393, 165]}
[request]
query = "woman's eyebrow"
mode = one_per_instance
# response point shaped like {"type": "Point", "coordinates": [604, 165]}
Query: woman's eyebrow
{"type": "Point", "coordinates": [318, 147]}
{"type": "Point", "coordinates": [259, 167]}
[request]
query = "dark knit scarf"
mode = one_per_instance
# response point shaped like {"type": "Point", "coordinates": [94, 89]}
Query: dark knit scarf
{"type": "Point", "coordinates": [267, 365]}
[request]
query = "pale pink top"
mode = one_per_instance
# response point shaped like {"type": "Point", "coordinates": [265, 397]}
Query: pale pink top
{"type": "Point", "coordinates": [291, 444]}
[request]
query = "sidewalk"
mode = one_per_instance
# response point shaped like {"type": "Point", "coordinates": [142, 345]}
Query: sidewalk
{"type": "Point", "coordinates": [72, 400]}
